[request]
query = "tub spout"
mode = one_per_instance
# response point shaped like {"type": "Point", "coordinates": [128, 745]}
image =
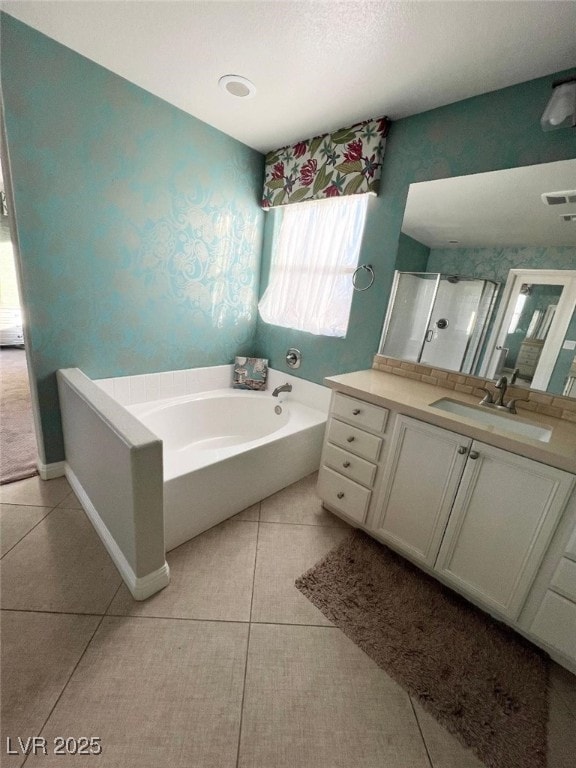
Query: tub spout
{"type": "Point", "coordinates": [283, 388]}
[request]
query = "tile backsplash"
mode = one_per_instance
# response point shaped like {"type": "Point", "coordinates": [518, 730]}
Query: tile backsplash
{"type": "Point", "coordinates": [555, 406]}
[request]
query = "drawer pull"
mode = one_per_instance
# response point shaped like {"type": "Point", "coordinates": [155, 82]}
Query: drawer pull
{"type": "Point", "coordinates": [356, 412]}
{"type": "Point", "coordinates": [350, 439]}
{"type": "Point", "coordinates": [340, 495]}
{"type": "Point", "coordinates": [346, 464]}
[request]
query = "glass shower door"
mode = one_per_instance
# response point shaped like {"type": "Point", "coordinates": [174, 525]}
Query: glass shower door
{"type": "Point", "coordinates": [452, 337]}
{"type": "Point", "coordinates": [411, 306]}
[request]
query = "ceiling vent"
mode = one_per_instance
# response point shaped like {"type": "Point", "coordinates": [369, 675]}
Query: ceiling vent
{"type": "Point", "coordinates": [559, 198]}
{"type": "Point", "coordinates": [570, 217]}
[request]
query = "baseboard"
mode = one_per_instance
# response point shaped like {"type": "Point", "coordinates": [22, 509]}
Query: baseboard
{"type": "Point", "coordinates": [140, 587]}
{"type": "Point", "coordinates": [50, 471]}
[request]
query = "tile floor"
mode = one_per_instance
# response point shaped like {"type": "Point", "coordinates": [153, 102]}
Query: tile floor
{"type": "Point", "coordinates": [229, 667]}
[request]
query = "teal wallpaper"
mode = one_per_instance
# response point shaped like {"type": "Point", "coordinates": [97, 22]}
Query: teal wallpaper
{"type": "Point", "coordinates": [490, 132]}
{"type": "Point", "coordinates": [494, 263]}
{"type": "Point", "coordinates": [412, 256]}
{"type": "Point", "coordinates": [140, 227]}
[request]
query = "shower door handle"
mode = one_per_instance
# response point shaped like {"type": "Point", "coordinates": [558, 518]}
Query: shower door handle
{"type": "Point", "coordinates": [428, 335]}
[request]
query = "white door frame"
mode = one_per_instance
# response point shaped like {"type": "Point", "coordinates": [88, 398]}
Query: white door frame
{"type": "Point", "coordinates": [558, 327]}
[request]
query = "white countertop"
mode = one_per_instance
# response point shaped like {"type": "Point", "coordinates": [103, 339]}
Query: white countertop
{"type": "Point", "coordinates": [413, 398]}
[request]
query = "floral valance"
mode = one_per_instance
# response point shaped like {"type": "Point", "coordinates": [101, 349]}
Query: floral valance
{"type": "Point", "coordinates": [346, 162]}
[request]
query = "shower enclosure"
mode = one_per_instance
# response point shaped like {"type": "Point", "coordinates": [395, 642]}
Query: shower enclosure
{"type": "Point", "coordinates": [439, 320]}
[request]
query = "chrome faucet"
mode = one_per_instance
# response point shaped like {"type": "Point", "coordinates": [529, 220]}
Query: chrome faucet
{"type": "Point", "coordinates": [282, 388]}
{"type": "Point", "coordinates": [502, 385]}
{"type": "Point", "coordinates": [488, 399]}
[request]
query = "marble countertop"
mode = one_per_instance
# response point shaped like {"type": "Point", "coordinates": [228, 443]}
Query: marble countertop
{"type": "Point", "coordinates": [414, 398]}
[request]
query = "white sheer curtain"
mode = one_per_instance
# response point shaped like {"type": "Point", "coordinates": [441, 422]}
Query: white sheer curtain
{"type": "Point", "coordinates": [313, 260]}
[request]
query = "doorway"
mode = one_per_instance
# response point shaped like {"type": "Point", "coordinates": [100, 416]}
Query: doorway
{"type": "Point", "coordinates": [536, 310]}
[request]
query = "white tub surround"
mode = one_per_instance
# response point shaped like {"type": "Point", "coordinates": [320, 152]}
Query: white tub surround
{"type": "Point", "coordinates": [224, 449]}
{"type": "Point", "coordinates": [114, 465]}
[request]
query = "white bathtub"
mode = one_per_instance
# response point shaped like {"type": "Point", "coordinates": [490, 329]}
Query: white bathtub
{"type": "Point", "coordinates": [226, 449]}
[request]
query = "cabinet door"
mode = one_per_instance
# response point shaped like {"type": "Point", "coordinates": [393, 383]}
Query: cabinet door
{"type": "Point", "coordinates": [504, 515]}
{"type": "Point", "coordinates": [421, 477]}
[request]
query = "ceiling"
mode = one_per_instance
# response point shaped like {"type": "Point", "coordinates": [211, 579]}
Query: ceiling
{"type": "Point", "coordinates": [318, 65]}
{"type": "Point", "coordinates": [500, 208]}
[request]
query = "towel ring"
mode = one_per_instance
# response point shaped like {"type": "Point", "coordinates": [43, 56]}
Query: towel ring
{"type": "Point", "coordinates": [367, 268]}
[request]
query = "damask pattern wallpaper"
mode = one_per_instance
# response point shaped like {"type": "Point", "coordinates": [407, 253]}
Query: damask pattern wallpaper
{"type": "Point", "coordinates": [140, 226]}
{"type": "Point", "coordinates": [495, 263]}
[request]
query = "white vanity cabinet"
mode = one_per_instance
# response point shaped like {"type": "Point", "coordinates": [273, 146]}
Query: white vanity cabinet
{"type": "Point", "coordinates": [420, 481]}
{"type": "Point", "coordinates": [552, 617]}
{"type": "Point", "coordinates": [503, 518]}
{"type": "Point", "coordinates": [479, 516]}
{"type": "Point", "coordinates": [352, 449]}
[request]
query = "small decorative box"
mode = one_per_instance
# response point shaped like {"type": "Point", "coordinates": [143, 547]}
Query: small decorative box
{"type": "Point", "coordinates": [250, 373]}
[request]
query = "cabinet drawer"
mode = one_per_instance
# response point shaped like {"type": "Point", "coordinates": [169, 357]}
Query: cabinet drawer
{"type": "Point", "coordinates": [555, 623]}
{"type": "Point", "coordinates": [349, 465]}
{"type": "Point", "coordinates": [564, 579]}
{"type": "Point", "coordinates": [358, 412]}
{"type": "Point", "coordinates": [342, 494]}
{"type": "Point", "coordinates": [355, 440]}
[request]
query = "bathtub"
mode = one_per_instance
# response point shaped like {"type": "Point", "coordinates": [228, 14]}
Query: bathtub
{"type": "Point", "coordinates": [226, 449]}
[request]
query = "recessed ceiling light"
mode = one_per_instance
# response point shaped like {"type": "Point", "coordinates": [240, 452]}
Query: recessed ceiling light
{"type": "Point", "coordinates": [238, 86]}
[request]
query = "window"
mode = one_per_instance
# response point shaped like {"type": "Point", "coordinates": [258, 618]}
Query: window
{"type": "Point", "coordinates": [313, 259]}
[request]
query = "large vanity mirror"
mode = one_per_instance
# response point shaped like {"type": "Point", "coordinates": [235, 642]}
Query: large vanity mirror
{"type": "Point", "coordinates": [486, 277]}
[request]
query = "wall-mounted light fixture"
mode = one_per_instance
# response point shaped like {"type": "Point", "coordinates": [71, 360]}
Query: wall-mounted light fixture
{"type": "Point", "coordinates": [561, 109]}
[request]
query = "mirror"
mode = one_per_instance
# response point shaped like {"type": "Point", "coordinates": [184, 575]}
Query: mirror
{"type": "Point", "coordinates": [497, 250]}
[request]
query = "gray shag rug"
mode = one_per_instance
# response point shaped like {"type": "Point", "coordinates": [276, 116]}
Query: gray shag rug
{"type": "Point", "coordinates": [478, 678]}
{"type": "Point", "coordinates": [18, 451]}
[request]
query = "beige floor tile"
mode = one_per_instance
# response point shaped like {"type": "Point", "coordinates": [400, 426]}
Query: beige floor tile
{"type": "Point", "coordinates": [61, 565]}
{"type": "Point", "coordinates": [251, 514]}
{"type": "Point", "coordinates": [565, 683]}
{"type": "Point", "coordinates": [313, 698]}
{"type": "Point", "coordinates": [158, 693]}
{"type": "Point", "coordinates": [16, 521]}
{"type": "Point", "coordinates": [35, 492]}
{"type": "Point", "coordinates": [71, 501]}
{"type": "Point", "coordinates": [39, 653]}
{"type": "Point", "coordinates": [284, 553]}
{"type": "Point", "coordinates": [298, 503]}
{"type": "Point", "coordinates": [211, 577]}
{"type": "Point", "coordinates": [444, 749]}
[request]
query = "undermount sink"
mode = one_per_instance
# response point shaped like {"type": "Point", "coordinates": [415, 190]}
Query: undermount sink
{"type": "Point", "coordinates": [494, 418]}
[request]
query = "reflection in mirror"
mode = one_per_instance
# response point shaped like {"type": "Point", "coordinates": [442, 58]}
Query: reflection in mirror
{"type": "Point", "coordinates": [438, 320]}
{"type": "Point", "coordinates": [487, 227]}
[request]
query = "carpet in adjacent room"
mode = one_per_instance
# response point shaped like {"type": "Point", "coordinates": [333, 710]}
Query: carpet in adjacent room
{"type": "Point", "coordinates": [18, 451]}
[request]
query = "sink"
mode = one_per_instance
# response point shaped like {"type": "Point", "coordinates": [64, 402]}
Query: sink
{"type": "Point", "coordinates": [494, 418]}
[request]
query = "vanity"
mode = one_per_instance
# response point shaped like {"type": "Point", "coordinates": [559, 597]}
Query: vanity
{"type": "Point", "coordinates": [486, 506]}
